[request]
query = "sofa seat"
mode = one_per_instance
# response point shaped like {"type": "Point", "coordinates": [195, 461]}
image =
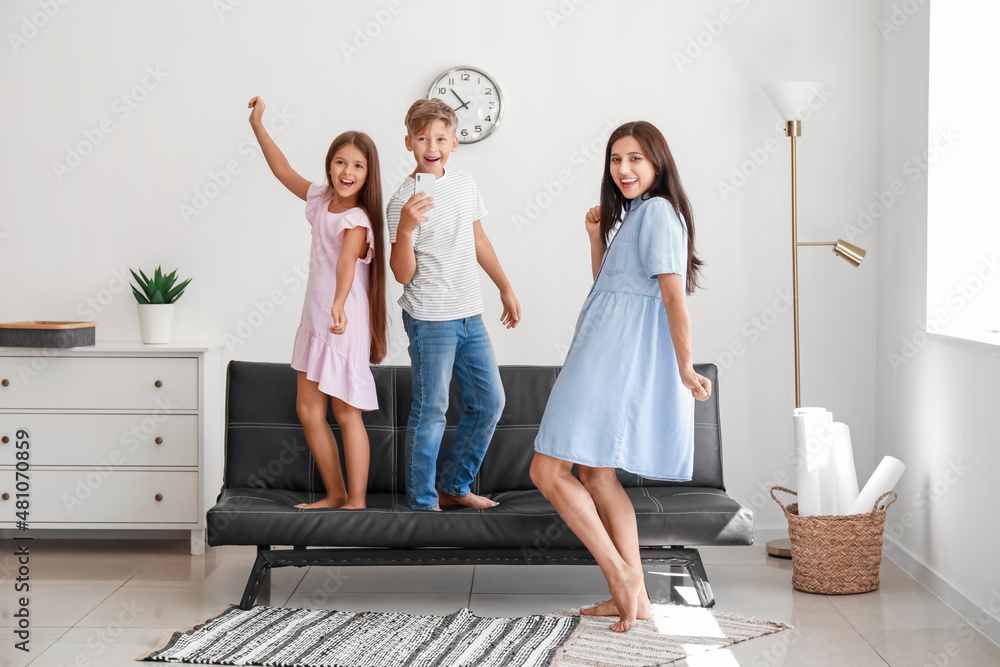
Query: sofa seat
{"type": "Point", "coordinates": [690, 516]}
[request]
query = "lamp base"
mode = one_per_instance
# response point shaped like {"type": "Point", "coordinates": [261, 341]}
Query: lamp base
{"type": "Point", "coordinates": [780, 548]}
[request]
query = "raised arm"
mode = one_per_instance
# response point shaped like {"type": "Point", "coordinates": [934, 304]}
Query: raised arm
{"type": "Point", "coordinates": [402, 259]}
{"type": "Point", "coordinates": [487, 258]}
{"type": "Point", "coordinates": [597, 245]}
{"type": "Point", "coordinates": [276, 160]}
{"type": "Point", "coordinates": [672, 290]}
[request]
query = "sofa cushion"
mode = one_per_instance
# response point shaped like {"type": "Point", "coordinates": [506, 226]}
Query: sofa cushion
{"type": "Point", "coordinates": [681, 516]}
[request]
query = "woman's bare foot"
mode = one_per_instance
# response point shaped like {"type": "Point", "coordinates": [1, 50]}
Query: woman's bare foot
{"type": "Point", "coordinates": [327, 503]}
{"type": "Point", "coordinates": [468, 500]}
{"type": "Point", "coordinates": [625, 591]}
{"type": "Point", "coordinates": [644, 610]}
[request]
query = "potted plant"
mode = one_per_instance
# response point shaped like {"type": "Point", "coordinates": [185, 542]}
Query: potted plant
{"type": "Point", "coordinates": [156, 303]}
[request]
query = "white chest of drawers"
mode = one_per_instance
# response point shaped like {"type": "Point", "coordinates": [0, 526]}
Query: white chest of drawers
{"type": "Point", "coordinates": [120, 437]}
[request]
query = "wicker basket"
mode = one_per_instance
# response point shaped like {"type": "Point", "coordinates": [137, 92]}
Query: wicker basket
{"type": "Point", "coordinates": [835, 555]}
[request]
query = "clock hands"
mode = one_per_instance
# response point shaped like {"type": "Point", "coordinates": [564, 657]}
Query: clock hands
{"type": "Point", "coordinates": [465, 105]}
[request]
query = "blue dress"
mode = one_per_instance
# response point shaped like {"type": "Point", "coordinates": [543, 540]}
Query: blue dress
{"type": "Point", "coordinates": [619, 401]}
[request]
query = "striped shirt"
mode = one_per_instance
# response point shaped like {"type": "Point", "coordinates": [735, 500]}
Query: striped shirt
{"type": "Point", "coordinates": [445, 285]}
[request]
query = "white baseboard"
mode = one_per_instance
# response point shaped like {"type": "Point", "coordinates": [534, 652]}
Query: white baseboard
{"type": "Point", "coordinates": [977, 617]}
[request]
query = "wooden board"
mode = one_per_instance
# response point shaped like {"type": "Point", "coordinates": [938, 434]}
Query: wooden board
{"type": "Point", "coordinates": [46, 324]}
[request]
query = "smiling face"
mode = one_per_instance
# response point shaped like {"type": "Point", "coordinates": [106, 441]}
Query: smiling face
{"type": "Point", "coordinates": [631, 169]}
{"type": "Point", "coordinates": [432, 145]}
{"type": "Point", "coordinates": [348, 172]}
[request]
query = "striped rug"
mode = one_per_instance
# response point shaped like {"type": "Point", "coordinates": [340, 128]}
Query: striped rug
{"type": "Point", "coordinates": [279, 637]}
{"type": "Point", "coordinates": [275, 636]}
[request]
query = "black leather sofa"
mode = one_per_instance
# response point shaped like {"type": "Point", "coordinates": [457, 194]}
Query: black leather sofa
{"type": "Point", "coordinates": [269, 469]}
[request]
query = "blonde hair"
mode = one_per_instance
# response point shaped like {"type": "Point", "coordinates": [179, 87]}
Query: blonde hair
{"type": "Point", "coordinates": [423, 112]}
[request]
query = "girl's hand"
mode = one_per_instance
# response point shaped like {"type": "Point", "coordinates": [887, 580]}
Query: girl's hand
{"type": "Point", "coordinates": [339, 319]}
{"type": "Point", "coordinates": [257, 104]}
{"type": "Point", "coordinates": [593, 222]}
{"type": "Point", "coordinates": [511, 315]}
{"type": "Point", "coordinates": [700, 386]}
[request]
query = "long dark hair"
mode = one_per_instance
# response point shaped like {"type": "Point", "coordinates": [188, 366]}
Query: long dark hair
{"type": "Point", "coordinates": [369, 199]}
{"type": "Point", "coordinates": [667, 185]}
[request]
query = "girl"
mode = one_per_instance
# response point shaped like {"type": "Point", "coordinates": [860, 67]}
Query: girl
{"type": "Point", "coordinates": [343, 326]}
{"type": "Point", "coordinates": [624, 398]}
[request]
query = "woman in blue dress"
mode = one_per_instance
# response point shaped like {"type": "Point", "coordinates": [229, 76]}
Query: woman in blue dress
{"type": "Point", "coordinates": [625, 396]}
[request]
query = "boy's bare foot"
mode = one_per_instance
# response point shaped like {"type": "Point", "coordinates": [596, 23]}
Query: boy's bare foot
{"type": "Point", "coordinates": [468, 500]}
{"type": "Point", "coordinates": [327, 503]}
{"type": "Point", "coordinates": [625, 591]}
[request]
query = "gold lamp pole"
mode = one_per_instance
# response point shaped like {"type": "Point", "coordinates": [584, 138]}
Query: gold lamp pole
{"type": "Point", "coordinates": [790, 99]}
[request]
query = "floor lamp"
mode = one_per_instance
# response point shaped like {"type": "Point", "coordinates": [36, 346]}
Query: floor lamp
{"type": "Point", "coordinates": [791, 99]}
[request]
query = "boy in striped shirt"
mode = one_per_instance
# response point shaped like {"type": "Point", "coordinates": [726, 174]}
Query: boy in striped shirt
{"type": "Point", "coordinates": [438, 243]}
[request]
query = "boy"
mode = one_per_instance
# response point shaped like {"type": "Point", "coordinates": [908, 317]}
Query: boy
{"type": "Point", "coordinates": [436, 243]}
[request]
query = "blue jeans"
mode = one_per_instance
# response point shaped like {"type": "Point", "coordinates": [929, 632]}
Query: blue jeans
{"type": "Point", "coordinates": [439, 350]}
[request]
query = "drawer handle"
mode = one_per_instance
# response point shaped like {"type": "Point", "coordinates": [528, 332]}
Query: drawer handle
{"type": "Point", "coordinates": [5, 440]}
{"type": "Point", "coordinates": [158, 384]}
{"type": "Point", "coordinates": [158, 440]}
{"type": "Point", "coordinates": [159, 497]}
{"type": "Point", "coordinates": [5, 496]}
{"type": "Point", "coordinates": [5, 382]}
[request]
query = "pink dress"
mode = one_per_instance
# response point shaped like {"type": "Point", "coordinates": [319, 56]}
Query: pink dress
{"type": "Point", "coordinates": [339, 363]}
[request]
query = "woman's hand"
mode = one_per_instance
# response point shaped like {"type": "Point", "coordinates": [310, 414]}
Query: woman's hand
{"type": "Point", "coordinates": [257, 104]}
{"type": "Point", "coordinates": [700, 386]}
{"type": "Point", "coordinates": [339, 319]}
{"type": "Point", "coordinates": [593, 222]}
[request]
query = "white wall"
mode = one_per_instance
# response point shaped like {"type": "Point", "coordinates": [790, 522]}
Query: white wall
{"type": "Point", "coordinates": [568, 78]}
{"type": "Point", "coordinates": [937, 410]}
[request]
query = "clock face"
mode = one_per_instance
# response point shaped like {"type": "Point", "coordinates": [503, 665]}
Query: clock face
{"type": "Point", "coordinates": [476, 99]}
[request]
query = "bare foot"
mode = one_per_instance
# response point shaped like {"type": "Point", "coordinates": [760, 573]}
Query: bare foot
{"type": "Point", "coordinates": [353, 506]}
{"type": "Point", "coordinates": [468, 500]}
{"type": "Point", "coordinates": [328, 503]}
{"type": "Point", "coordinates": [644, 610]}
{"type": "Point", "coordinates": [625, 595]}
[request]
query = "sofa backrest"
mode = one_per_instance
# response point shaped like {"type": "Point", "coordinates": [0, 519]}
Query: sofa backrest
{"type": "Point", "coordinates": [265, 445]}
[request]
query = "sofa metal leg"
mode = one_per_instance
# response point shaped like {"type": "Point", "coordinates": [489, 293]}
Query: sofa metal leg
{"type": "Point", "coordinates": [700, 578]}
{"type": "Point", "coordinates": [259, 575]}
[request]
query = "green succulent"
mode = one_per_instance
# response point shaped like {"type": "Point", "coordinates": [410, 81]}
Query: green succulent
{"type": "Point", "coordinates": [160, 289]}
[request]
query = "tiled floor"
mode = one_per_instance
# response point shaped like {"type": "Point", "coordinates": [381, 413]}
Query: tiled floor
{"type": "Point", "coordinates": [102, 603]}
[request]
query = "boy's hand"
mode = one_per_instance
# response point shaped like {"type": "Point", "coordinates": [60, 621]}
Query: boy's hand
{"type": "Point", "coordinates": [511, 314]}
{"type": "Point", "coordinates": [414, 212]}
{"type": "Point", "coordinates": [339, 319]}
{"type": "Point", "coordinates": [257, 104]}
{"type": "Point", "coordinates": [593, 222]}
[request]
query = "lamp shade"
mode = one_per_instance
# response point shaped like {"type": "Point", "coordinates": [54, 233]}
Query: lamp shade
{"type": "Point", "coordinates": [849, 252]}
{"type": "Point", "coordinates": [790, 97]}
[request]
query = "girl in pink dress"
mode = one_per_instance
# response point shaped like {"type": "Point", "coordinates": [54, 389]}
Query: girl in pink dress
{"type": "Point", "coordinates": [343, 326]}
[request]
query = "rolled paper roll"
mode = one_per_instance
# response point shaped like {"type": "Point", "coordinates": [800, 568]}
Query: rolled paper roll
{"type": "Point", "coordinates": [843, 461]}
{"type": "Point", "coordinates": [808, 422]}
{"type": "Point", "coordinates": [882, 480]}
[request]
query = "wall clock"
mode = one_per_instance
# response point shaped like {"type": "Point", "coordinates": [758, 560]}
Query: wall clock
{"type": "Point", "coordinates": [476, 99]}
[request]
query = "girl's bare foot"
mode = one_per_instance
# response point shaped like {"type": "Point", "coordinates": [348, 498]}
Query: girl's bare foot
{"type": "Point", "coordinates": [349, 505]}
{"type": "Point", "coordinates": [625, 595]}
{"type": "Point", "coordinates": [468, 500]}
{"type": "Point", "coordinates": [328, 503]}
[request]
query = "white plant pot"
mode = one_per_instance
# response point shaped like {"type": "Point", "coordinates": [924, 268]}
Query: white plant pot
{"type": "Point", "coordinates": [155, 322]}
